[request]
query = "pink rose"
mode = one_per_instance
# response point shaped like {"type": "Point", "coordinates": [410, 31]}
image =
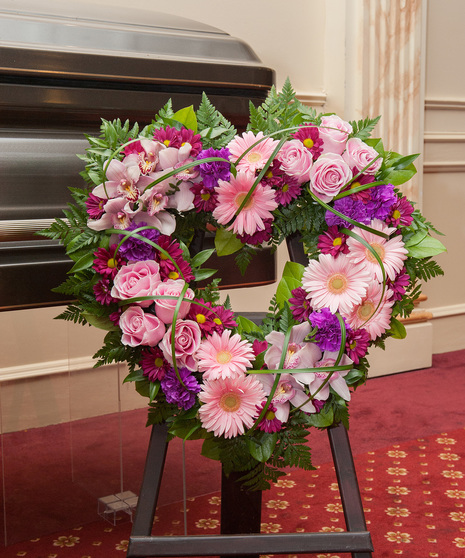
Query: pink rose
{"type": "Point", "coordinates": [140, 328]}
{"type": "Point", "coordinates": [164, 308]}
{"type": "Point", "coordinates": [296, 160]}
{"type": "Point", "coordinates": [329, 174]}
{"type": "Point", "coordinates": [358, 155]}
{"type": "Point", "coordinates": [186, 342]}
{"type": "Point", "coordinates": [334, 132]}
{"type": "Point", "coordinates": [136, 279]}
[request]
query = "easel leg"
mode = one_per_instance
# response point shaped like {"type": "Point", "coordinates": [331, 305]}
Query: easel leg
{"type": "Point", "coordinates": [347, 480]}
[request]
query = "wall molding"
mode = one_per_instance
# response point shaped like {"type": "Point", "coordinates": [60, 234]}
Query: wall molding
{"type": "Point", "coordinates": [445, 104]}
{"type": "Point", "coordinates": [312, 99]}
{"type": "Point", "coordinates": [444, 137]}
{"type": "Point", "coordinates": [48, 368]}
{"type": "Point", "coordinates": [447, 311]}
{"type": "Point", "coordinates": [443, 166]}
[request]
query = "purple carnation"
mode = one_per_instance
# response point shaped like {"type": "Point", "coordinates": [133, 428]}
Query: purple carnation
{"type": "Point", "coordinates": [215, 170]}
{"type": "Point", "coordinates": [382, 198]}
{"type": "Point", "coordinates": [175, 392]}
{"type": "Point", "coordinates": [328, 337]}
{"type": "Point", "coordinates": [353, 208]}
{"type": "Point", "coordinates": [137, 250]}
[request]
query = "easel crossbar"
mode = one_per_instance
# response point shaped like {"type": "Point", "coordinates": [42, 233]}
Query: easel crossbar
{"type": "Point", "coordinates": [235, 545]}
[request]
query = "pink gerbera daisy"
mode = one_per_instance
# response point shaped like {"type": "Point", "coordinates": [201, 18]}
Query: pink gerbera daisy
{"type": "Point", "coordinates": [335, 283]}
{"type": "Point", "coordinates": [367, 314]}
{"type": "Point", "coordinates": [256, 158]}
{"type": "Point", "coordinates": [392, 252]}
{"type": "Point", "coordinates": [258, 207]}
{"type": "Point", "coordinates": [224, 356]}
{"type": "Point", "coordinates": [230, 405]}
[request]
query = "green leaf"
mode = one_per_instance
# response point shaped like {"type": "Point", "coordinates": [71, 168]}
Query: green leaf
{"type": "Point", "coordinates": [154, 388]}
{"type": "Point", "coordinates": [201, 257]}
{"type": "Point", "coordinates": [291, 279]}
{"type": "Point", "coordinates": [416, 238]}
{"type": "Point", "coordinates": [400, 163]}
{"type": "Point", "coordinates": [100, 322]}
{"type": "Point", "coordinates": [201, 274]}
{"type": "Point", "coordinates": [377, 145]}
{"type": "Point", "coordinates": [261, 449]}
{"type": "Point", "coordinates": [84, 262]}
{"type": "Point", "coordinates": [246, 326]}
{"type": "Point", "coordinates": [397, 329]}
{"type": "Point", "coordinates": [186, 116]}
{"type": "Point", "coordinates": [428, 247]}
{"type": "Point", "coordinates": [322, 419]}
{"type": "Point", "coordinates": [134, 376]}
{"type": "Point", "coordinates": [398, 177]}
{"type": "Point", "coordinates": [211, 449]}
{"type": "Point", "coordinates": [226, 242]}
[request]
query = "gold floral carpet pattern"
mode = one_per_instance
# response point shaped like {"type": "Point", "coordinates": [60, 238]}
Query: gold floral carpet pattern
{"type": "Point", "coordinates": [413, 495]}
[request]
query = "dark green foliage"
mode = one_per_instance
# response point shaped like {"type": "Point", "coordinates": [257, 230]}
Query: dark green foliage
{"type": "Point", "coordinates": [363, 128]}
{"type": "Point", "coordinates": [292, 449]}
{"type": "Point", "coordinates": [244, 257]}
{"type": "Point", "coordinates": [215, 129]}
{"type": "Point", "coordinates": [280, 114]}
{"type": "Point", "coordinates": [114, 351]}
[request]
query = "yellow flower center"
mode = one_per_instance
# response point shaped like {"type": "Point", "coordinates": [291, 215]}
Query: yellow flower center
{"type": "Point", "coordinates": [167, 142]}
{"type": "Point", "coordinates": [337, 283]}
{"type": "Point", "coordinates": [308, 142]}
{"type": "Point", "coordinates": [396, 214]}
{"type": "Point", "coordinates": [112, 263]}
{"type": "Point", "coordinates": [240, 198]}
{"type": "Point", "coordinates": [230, 402]}
{"type": "Point", "coordinates": [205, 197]}
{"type": "Point", "coordinates": [254, 157]}
{"type": "Point", "coordinates": [269, 415]}
{"type": "Point", "coordinates": [158, 362]}
{"type": "Point", "coordinates": [366, 310]}
{"type": "Point", "coordinates": [378, 249]}
{"type": "Point", "coordinates": [173, 275]}
{"type": "Point", "coordinates": [285, 188]}
{"type": "Point", "coordinates": [337, 241]}
{"type": "Point", "coordinates": [201, 319]}
{"type": "Point", "coordinates": [217, 321]}
{"type": "Point", "coordinates": [223, 357]}
{"type": "Point", "coordinates": [355, 185]}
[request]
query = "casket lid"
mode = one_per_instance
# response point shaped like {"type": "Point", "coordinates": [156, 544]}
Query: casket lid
{"type": "Point", "coordinates": [95, 29]}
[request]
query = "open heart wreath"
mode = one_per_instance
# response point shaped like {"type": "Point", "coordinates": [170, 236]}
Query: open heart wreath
{"type": "Point", "coordinates": [251, 391]}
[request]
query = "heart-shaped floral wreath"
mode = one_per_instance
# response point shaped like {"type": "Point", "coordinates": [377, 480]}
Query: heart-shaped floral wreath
{"type": "Point", "coordinates": [251, 391]}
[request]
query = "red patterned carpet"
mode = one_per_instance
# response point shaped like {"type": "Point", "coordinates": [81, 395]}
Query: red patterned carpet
{"type": "Point", "coordinates": [413, 495]}
{"type": "Point", "coordinates": [408, 439]}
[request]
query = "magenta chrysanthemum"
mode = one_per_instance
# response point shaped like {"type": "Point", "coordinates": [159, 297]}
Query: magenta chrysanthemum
{"type": "Point", "coordinates": [153, 364]}
{"type": "Point", "coordinates": [392, 252]}
{"type": "Point", "coordinates": [256, 158]}
{"type": "Point", "coordinates": [333, 242]}
{"type": "Point", "coordinates": [335, 283]}
{"type": "Point", "coordinates": [269, 423]}
{"type": "Point", "coordinates": [309, 135]}
{"type": "Point", "coordinates": [230, 405]}
{"type": "Point", "coordinates": [257, 208]}
{"type": "Point", "coordinates": [106, 262]}
{"type": "Point", "coordinates": [224, 356]}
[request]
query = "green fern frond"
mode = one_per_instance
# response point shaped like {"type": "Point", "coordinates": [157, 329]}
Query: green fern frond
{"type": "Point", "coordinates": [363, 128]}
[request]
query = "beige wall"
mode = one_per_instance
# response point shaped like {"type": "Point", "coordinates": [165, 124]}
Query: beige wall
{"type": "Point", "coordinates": [336, 61]}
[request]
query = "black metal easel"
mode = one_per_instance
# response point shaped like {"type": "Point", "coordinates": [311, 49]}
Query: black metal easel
{"type": "Point", "coordinates": [240, 516]}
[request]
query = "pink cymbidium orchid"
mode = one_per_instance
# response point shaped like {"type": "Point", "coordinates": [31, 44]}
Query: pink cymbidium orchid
{"type": "Point", "coordinates": [336, 380]}
{"type": "Point", "coordinates": [288, 391]}
{"type": "Point", "coordinates": [123, 181]}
